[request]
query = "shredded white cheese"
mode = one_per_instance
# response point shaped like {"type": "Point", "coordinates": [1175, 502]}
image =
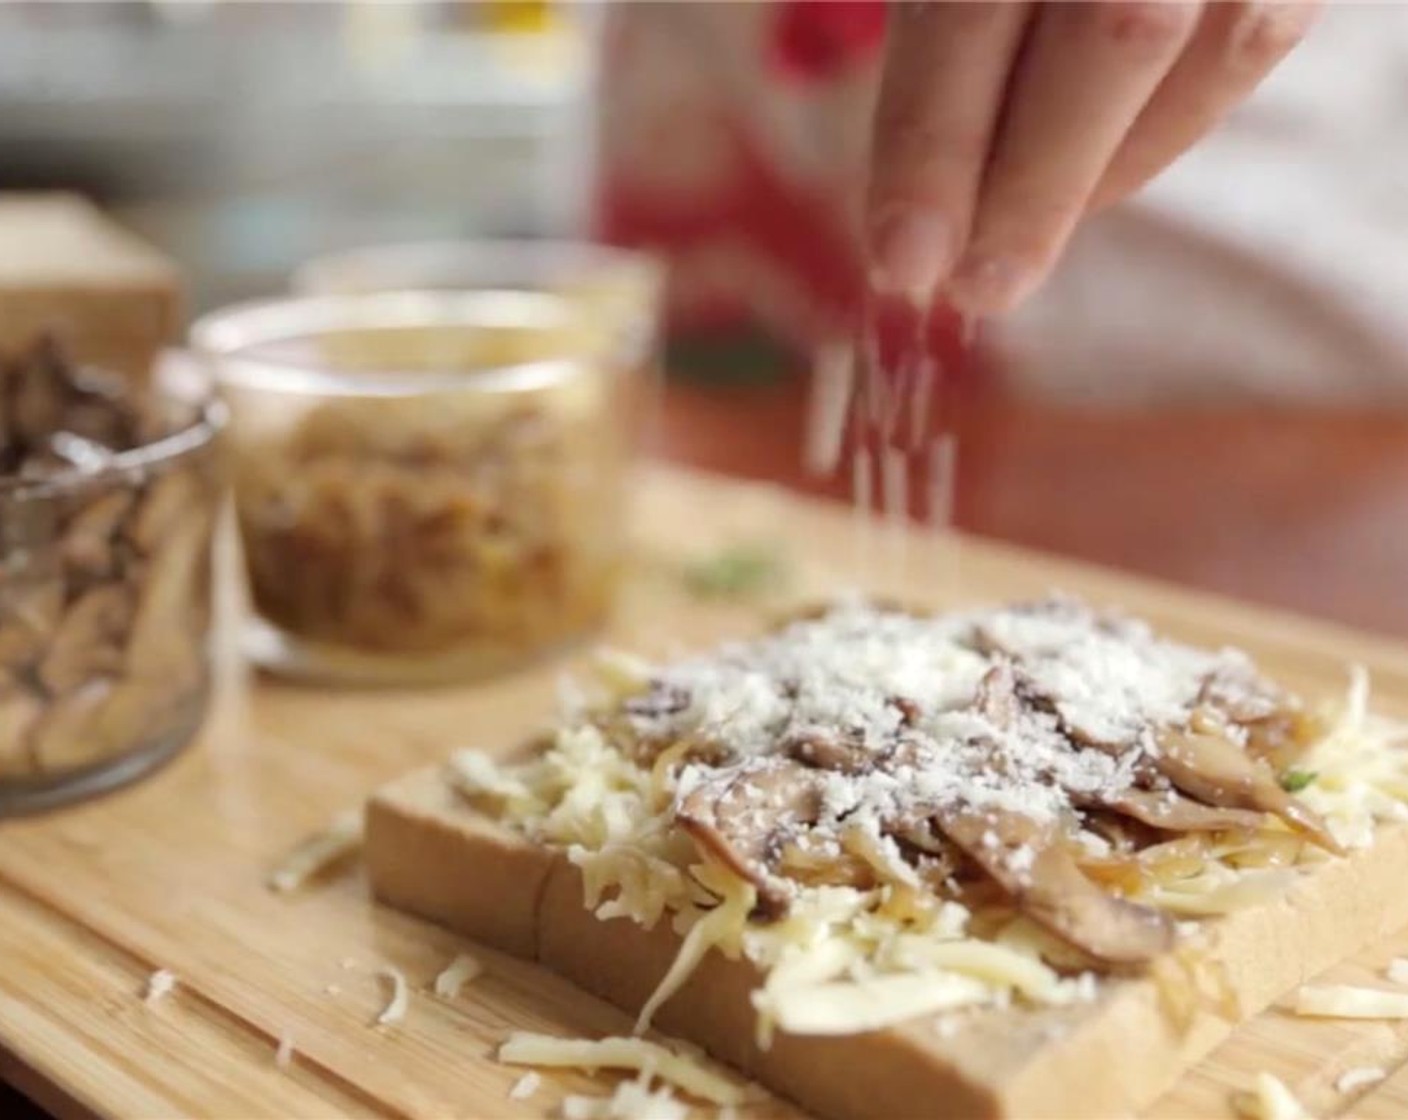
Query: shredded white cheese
{"type": "Point", "coordinates": [475, 774]}
{"type": "Point", "coordinates": [946, 1026]}
{"type": "Point", "coordinates": [1398, 970]}
{"type": "Point", "coordinates": [341, 838]}
{"type": "Point", "coordinates": [333, 990]}
{"type": "Point", "coordinates": [631, 1101]}
{"type": "Point", "coordinates": [1341, 1001]}
{"type": "Point", "coordinates": [159, 985]}
{"type": "Point", "coordinates": [456, 975]}
{"type": "Point", "coordinates": [395, 1009]}
{"type": "Point", "coordinates": [1360, 1077]}
{"type": "Point", "coordinates": [525, 1086]}
{"type": "Point", "coordinates": [283, 1056]}
{"type": "Point", "coordinates": [1270, 1100]}
{"type": "Point", "coordinates": [851, 1006]}
{"type": "Point", "coordinates": [869, 957]}
{"type": "Point", "coordinates": [526, 1049]}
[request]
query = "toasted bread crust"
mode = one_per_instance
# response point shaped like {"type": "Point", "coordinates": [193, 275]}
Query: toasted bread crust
{"type": "Point", "coordinates": [429, 854]}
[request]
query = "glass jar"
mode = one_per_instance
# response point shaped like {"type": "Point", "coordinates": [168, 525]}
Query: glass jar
{"type": "Point", "coordinates": [429, 485]}
{"type": "Point", "coordinates": [620, 290]}
{"type": "Point", "coordinates": [105, 609]}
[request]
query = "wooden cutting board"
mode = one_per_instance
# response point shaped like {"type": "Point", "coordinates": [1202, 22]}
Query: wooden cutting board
{"type": "Point", "coordinates": [171, 873]}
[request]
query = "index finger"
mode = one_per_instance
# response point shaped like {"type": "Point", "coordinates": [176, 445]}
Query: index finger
{"type": "Point", "coordinates": [946, 68]}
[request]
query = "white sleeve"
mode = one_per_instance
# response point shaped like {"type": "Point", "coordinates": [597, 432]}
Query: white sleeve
{"type": "Point", "coordinates": [1272, 259]}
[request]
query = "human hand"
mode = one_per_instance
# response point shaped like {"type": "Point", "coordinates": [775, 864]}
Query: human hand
{"type": "Point", "coordinates": [1002, 123]}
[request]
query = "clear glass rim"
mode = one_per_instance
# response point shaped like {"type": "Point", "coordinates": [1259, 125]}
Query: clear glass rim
{"type": "Point", "coordinates": [209, 420]}
{"type": "Point", "coordinates": [520, 261]}
{"type": "Point", "coordinates": [225, 336]}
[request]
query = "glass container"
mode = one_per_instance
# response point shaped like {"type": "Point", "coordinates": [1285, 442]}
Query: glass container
{"type": "Point", "coordinates": [429, 486]}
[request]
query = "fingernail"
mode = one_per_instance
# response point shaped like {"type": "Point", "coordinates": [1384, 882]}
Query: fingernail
{"type": "Point", "coordinates": [910, 251]}
{"type": "Point", "coordinates": [985, 284]}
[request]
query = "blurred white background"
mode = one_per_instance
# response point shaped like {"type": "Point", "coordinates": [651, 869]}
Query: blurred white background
{"type": "Point", "coordinates": [244, 138]}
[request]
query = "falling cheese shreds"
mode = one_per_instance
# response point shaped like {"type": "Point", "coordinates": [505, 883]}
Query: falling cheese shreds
{"type": "Point", "coordinates": [632, 1100]}
{"type": "Point", "coordinates": [525, 1086]}
{"type": "Point", "coordinates": [1398, 970]}
{"type": "Point", "coordinates": [333, 990]}
{"type": "Point", "coordinates": [283, 1056]}
{"type": "Point", "coordinates": [456, 975]}
{"type": "Point", "coordinates": [524, 1048]}
{"type": "Point", "coordinates": [341, 838]}
{"type": "Point", "coordinates": [1341, 1001]}
{"type": "Point", "coordinates": [1269, 1100]}
{"type": "Point", "coordinates": [159, 985]}
{"type": "Point", "coordinates": [1351, 1080]}
{"type": "Point", "coordinates": [395, 1009]}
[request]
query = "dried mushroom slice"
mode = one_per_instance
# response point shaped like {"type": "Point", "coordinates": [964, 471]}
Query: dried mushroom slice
{"type": "Point", "coordinates": [1216, 770]}
{"type": "Point", "coordinates": [169, 498]}
{"type": "Point", "coordinates": [839, 752]}
{"type": "Point", "coordinates": [744, 817]}
{"type": "Point", "coordinates": [37, 395]}
{"type": "Point", "coordinates": [166, 630]}
{"type": "Point", "coordinates": [29, 615]}
{"type": "Point", "coordinates": [88, 641]}
{"type": "Point", "coordinates": [142, 711]}
{"type": "Point", "coordinates": [20, 711]}
{"type": "Point", "coordinates": [88, 542]}
{"type": "Point", "coordinates": [62, 738]}
{"type": "Point", "coordinates": [1030, 863]}
{"type": "Point", "coordinates": [1168, 810]}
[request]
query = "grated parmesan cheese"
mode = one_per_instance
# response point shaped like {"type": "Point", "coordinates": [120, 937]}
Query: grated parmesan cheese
{"type": "Point", "coordinates": [1341, 1001]}
{"type": "Point", "coordinates": [456, 975]}
{"type": "Point", "coordinates": [844, 670]}
{"type": "Point", "coordinates": [525, 1086]}
{"type": "Point", "coordinates": [864, 956]}
{"type": "Point", "coordinates": [283, 1056]}
{"type": "Point", "coordinates": [1352, 1080]}
{"type": "Point", "coordinates": [1398, 970]}
{"type": "Point", "coordinates": [159, 985]}
{"type": "Point", "coordinates": [1270, 1100]}
{"type": "Point", "coordinates": [342, 837]}
{"type": "Point", "coordinates": [525, 1048]}
{"type": "Point", "coordinates": [395, 1009]}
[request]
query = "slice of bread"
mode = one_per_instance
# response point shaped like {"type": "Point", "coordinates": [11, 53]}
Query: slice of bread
{"type": "Point", "coordinates": [430, 854]}
{"type": "Point", "coordinates": [68, 270]}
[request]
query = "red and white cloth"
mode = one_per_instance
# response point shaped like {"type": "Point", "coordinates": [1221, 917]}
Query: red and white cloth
{"type": "Point", "coordinates": [733, 139]}
{"type": "Point", "coordinates": [1271, 260]}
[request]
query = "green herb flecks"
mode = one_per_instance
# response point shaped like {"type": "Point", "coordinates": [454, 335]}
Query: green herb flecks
{"type": "Point", "coordinates": [740, 571]}
{"type": "Point", "coordinates": [1293, 781]}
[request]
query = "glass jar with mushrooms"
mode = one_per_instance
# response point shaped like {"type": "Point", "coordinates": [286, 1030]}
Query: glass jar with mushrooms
{"type": "Point", "coordinates": [429, 486]}
{"type": "Point", "coordinates": [107, 504]}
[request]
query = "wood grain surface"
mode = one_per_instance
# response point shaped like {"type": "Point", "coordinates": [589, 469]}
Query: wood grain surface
{"type": "Point", "coordinates": [1303, 508]}
{"type": "Point", "coordinates": [170, 874]}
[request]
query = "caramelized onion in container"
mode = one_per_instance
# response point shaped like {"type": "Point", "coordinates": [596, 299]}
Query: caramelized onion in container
{"type": "Point", "coordinates": [108, 501]}
{"type": "Point", "coordinates": [429, 485]}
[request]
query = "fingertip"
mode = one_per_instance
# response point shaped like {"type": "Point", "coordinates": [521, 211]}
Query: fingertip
{"type": "Point", "coordinates": [991, 284]}
{"type": "Point", "coordinates": [911, 250]}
